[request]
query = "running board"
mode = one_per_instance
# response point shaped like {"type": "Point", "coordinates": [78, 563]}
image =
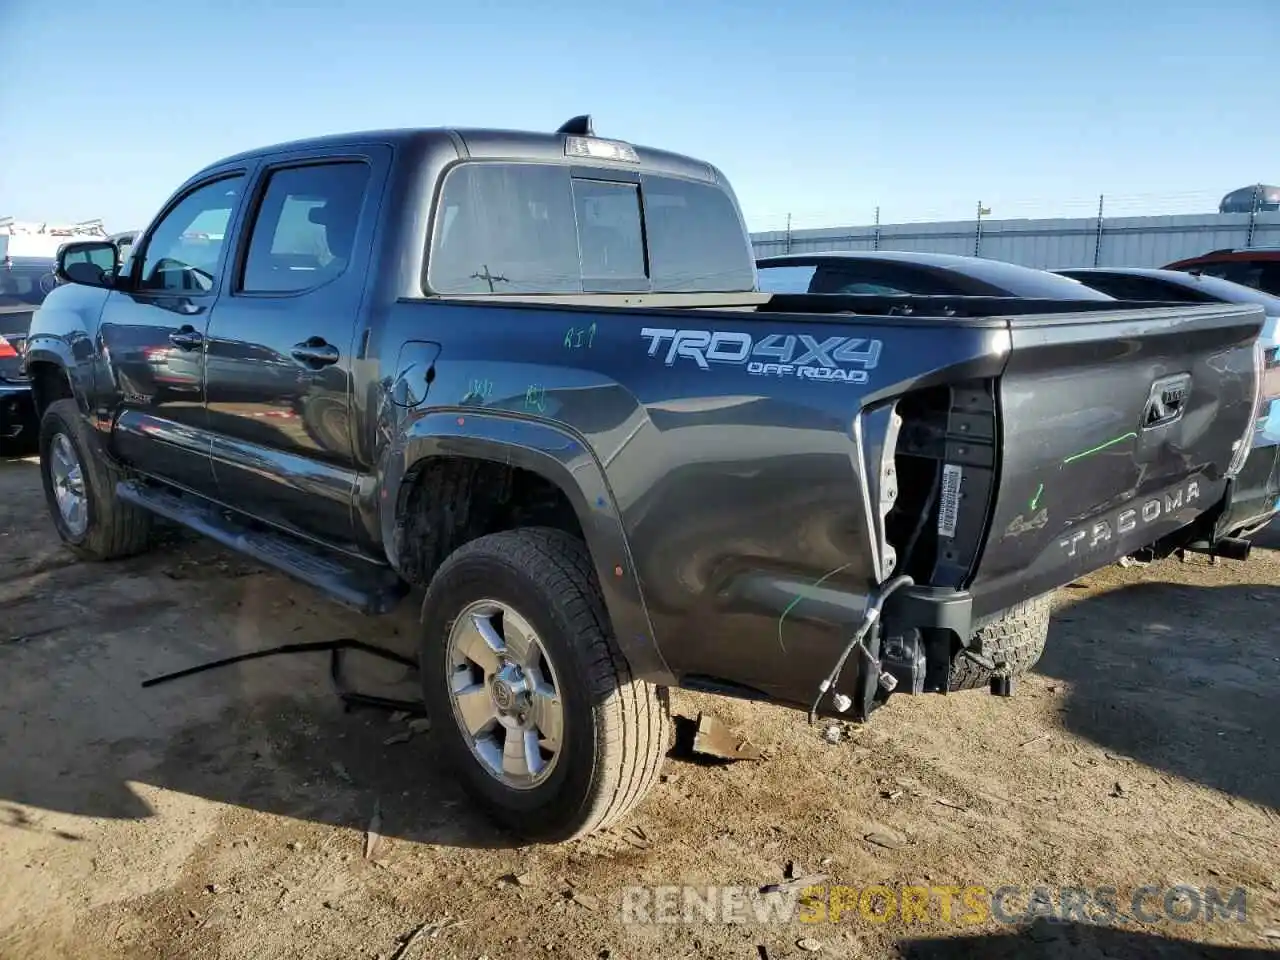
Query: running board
{"type": "Point", "coordinates": [354, 583]}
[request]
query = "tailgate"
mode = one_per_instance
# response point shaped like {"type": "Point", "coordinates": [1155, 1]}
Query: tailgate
{"type": "Point", "coordinates": [1116, 429]}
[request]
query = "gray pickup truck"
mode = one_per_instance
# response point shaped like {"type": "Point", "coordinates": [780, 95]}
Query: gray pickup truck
{"type": "Point", "coordinates": [531, 374]}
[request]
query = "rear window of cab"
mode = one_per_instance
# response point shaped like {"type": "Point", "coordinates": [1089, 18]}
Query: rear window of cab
{"type": "Point", "coordinates": [528, 228]}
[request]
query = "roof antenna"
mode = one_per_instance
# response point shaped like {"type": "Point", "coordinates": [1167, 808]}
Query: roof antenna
{"type": "Point", "coordinates": [578, 126]}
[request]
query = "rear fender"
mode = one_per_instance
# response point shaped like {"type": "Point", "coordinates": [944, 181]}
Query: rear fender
{"type": "Point", "coordinates": [561, 458]}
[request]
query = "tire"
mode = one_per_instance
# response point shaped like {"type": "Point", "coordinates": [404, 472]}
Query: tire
{"type": "Point", "coordinates": [110, 529]}
{"type": "Point", "coordinates": [615, 729]}
{"type": "Point", "coordinates": [1014, 637]}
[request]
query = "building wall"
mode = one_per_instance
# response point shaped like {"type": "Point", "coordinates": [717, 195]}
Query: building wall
{"type": "Point", "coordinates": [1047, 244]}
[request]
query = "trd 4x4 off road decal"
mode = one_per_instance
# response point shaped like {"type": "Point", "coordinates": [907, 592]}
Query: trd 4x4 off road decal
{"type": "Point", "coordinates": [847, 359]}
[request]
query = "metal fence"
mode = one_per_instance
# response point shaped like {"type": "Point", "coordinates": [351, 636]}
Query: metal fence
{"type": "Point", "coordinates": [1048, 243]}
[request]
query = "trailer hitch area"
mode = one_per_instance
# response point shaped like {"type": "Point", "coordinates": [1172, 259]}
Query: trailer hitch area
{"type": "Point", "coordinates": [1003, 683]}
{"type": "Point", "coordinates": [867, 642]}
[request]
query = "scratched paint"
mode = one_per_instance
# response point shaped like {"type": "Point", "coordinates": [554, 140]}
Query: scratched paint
{"type": "Point", "coordinates": [1035, 501]}
{"type": "Point", "coordinates": [1099, 448]}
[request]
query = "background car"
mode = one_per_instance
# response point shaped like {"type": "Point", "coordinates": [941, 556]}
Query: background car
{"type": "Point", "coordinates": [124, 242]}
{"type": "Point", "coordinates": [891, 273]}
{"type": "Point", "coordinates": [24, 283]}
{"type": "Point", "coordinates": [1257, 267]}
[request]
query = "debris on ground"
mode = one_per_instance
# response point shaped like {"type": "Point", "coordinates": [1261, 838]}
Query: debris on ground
{"type": "Point", "coordinates": [886, 839]}
{"type": "Point", "coordinates": [426, 931]}
{"type": "Point", "coordinates": [809, 945]}
{"type": "Point", "coordinates": [1118, 790]}
{"type": "Point", "coordinates": [420, 725]}
{"type": "Point", "coordinates": [950, 803]}
{"type": "Point", "coordinates": [586, 900]}
{"type": "Point", "coordinates": [371, 836]}
{"type": "Point", "coordinates": [795, 885]}
{"type": "Point", "coordinates": [833, 733]}
{"type": "Point", "coordinates": [714, 739]}
{"type": "Point", "coordinates": [402, 737]}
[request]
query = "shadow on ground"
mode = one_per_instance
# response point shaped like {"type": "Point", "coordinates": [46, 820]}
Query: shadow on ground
{"type": "Point", "coordinates": [1191, 692]}
{"type": "Point", "coordinates": [1059, 941]}
{"type": "Point", "coordinates": [1180, 677]}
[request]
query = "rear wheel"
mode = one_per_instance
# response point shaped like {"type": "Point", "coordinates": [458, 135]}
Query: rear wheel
{"type": "Point", "coordinates": [1013, 639]}
{"type": "Point", "coordinates": [80, 487]}
{"type": "Point", "coordinates": [532, 696]}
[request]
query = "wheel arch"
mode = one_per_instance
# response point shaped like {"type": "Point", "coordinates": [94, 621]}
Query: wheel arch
{"type": "Point", "coordinates": [54, 375]}
{"type": "Point", "coordinates": [567, 463]}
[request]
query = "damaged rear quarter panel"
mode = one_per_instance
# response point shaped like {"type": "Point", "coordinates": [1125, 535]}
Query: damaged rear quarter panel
{"type": "Point", "coordinates": [733, 492]}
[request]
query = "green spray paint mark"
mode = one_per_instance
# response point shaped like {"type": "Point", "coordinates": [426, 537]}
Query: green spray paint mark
{"type": "Point", "coordinates": [577, 339]}
{"type": "Point", "coordinates": [1036, 499]}
{"type": "Point", "coordinates": [535, 398]}
{"type": "Point", "coordinates": [1099, 448]}
{"type": "Point", "coordinates": [800, 596]}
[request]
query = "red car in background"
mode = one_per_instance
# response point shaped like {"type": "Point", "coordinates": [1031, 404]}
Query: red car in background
{"type": "Point", "coordinates": [1257, 267]}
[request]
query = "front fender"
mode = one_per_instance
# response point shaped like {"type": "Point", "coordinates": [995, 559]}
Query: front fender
{"type": "Point", "coordinates": [560, 457]}
{"type": "Point", "coordinates": [62, 335]}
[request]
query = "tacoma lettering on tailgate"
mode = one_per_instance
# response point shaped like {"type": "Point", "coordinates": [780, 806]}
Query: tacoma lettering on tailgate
{"type": "Point", "coordinates": [1131, 518]}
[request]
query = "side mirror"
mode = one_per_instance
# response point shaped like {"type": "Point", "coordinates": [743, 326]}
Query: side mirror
{"type": "Point", "coordinates": [92, 263]}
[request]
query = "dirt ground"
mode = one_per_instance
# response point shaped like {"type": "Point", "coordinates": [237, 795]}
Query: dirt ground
{"type": "Point", "coordinates": [224, 815]}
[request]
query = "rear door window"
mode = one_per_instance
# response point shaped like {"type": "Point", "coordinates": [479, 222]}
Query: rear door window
{"type": "Point", "coordinates": [523, 228]}
{"type": "Point", "coordinates": [305, 227]}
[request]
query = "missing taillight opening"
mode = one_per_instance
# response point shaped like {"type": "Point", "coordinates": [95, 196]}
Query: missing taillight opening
{"type": "Point", "coordinates": [945, 461]}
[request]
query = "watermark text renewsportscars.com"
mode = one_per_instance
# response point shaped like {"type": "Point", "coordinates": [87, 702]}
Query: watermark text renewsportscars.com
{"type": "Point", "coordinates": [971, 905]}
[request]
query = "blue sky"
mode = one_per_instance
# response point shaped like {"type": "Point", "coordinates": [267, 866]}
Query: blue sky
{"type": "Point", "coordinates": [823, 109]}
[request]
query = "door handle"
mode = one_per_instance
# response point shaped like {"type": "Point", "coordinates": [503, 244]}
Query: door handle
{"type": "Point", "coordinates": [316, 352]}
{"type": "Point", "coordinates": [187, 338]}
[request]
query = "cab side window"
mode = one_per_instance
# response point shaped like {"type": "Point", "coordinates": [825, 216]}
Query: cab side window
{"type": "Point", "coordinates": [182, 252]}
{"type": "Point", "coordinates": [304, 230]}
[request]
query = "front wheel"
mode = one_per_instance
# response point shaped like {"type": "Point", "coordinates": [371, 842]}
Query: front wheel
{"type": "Point", "coordinates": [533, 698]}
{"type": "Point", "coordinates": [80, 488]}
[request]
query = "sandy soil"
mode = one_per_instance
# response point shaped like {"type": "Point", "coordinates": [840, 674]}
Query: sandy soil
{"type": "Point", "coordinates": [224, 816]}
